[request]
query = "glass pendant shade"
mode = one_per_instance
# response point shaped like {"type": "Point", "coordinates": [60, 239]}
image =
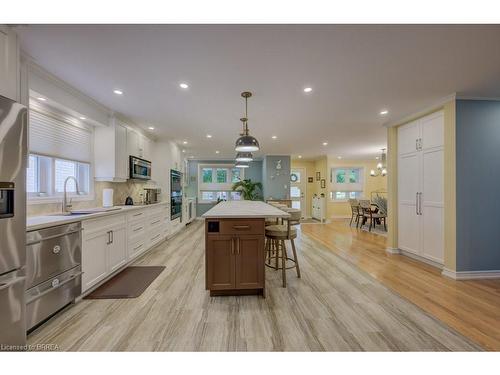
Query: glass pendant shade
{"type": "Point", "coordinates": [246, 143]}
{"type": "Point", "coordinates": [244, 156]}
{"type": "Point", "coordinates": [241, 165]}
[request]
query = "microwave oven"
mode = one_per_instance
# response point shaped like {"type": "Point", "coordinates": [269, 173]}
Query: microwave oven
{"type": "Point", "coordinates": [140, 169]}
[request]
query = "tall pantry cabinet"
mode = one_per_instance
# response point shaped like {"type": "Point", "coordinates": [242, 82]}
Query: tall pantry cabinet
{"type": "Point", "coordinates": [421, 187]}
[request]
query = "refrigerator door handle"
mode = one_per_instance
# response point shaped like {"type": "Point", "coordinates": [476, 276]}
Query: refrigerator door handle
{"type": "Point", "coordinates": [11, 282]}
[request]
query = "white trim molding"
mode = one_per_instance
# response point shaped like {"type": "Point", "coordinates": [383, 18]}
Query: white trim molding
{"type": "Point", "coordinates": [421, 259]}
{"type": "Point", "coordinates": [434, 106]}
{"type": "Point", "coordinates": [471, 275]}
{"type": "Point", "coordinates": [392, 250]}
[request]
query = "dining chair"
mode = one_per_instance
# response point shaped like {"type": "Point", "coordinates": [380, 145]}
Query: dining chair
{"type": "Point", "coordinates": [368, 214]}
{"type": "Point", "coordinates": [356, 212]}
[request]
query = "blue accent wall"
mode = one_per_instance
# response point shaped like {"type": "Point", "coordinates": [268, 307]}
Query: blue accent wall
{"type": "Point", "coordinates": [276, 182]}
{"type": "Point", "coordinates": [478, 185]}
{"type": "Point", "coordinates": [254, 172]}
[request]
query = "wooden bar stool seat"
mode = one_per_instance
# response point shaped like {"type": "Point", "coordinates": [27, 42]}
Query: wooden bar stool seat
{"type": "Point", "coordinates": [276, 235]}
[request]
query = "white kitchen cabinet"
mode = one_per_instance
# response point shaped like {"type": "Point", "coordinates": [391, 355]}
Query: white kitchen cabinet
{"type": "Point", "coordinates": [104, 248]}
{"type": "Point", "coordinates": [94, 263]}
{"type": "Point", "coordinates": [133, 143]}
{"type": "Point", "coordinates": [421, 187]}
{"type": "Point", "coordinates": [117, 249]}
{"type": "Point", "coordinates": [139, 145]}
{"type": "Point", "coordinates": [9, 63]}
{"type": "Point", "coordinates": [110, 151]}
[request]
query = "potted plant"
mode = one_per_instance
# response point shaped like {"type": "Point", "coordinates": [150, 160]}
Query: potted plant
{"type": "Point", "coordinates": [249, 190]}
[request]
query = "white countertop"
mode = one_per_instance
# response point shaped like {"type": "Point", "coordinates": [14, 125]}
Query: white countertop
{"type": "Point", "coordinates": [245, 209]}
{"type": "Point", "coordinates": [50, 220]}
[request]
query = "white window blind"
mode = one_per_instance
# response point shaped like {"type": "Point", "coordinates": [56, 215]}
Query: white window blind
{"type": "Point", "coordinates": [53, 136]}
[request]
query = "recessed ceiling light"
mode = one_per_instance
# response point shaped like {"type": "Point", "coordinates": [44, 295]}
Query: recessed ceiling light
{"type": "Point", "coordinates": [209, 136]}
{"type": "Point", "coordinates": [217, 151]}
{"type": "Point", "coordinates": [151, 127]}
{"type": "Point", "coordinates": [325, 143]}
{"type": "Point", "coordinates": [83, 118]}
{"type": "Point", "coordinates": [274, 137]}
{"type": "Point", "coordinates": [183, 85]}
{"type": "Point", "coordinates": [42, 99]}
{"type": "Point", "coordinates": [118, 92]}
{"type": "Point", "coordinates": [384, 112]}
{"type": "Point", "coordinates": [300, 156]}
{"type": "Point", "coordinates": [184, 151]}
{"type": "Point", "coordinates": [376, 157]}
{"type": "Point", "coordinates": [185, 142]}
{"type": "Point", "coordinates": [308, 89]}
{"type": "Point", "coordinates": [339, 157]}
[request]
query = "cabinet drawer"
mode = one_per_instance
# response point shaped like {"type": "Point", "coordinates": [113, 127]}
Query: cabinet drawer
{"type": "Point", "coordinates": [137, 228]}
{"type": "Point", "coordinates": [155, 220]}
{"type": "Point", "coordinates": [241, 226]}
{"type": "Point", "coordinates": [136, 248]}
{"type": "Point", "coordinates": [90, 226]}
{"type": "Point", "coordinates": [136, 215]}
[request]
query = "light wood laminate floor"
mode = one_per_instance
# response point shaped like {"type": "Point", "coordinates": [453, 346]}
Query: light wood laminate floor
{"type": "Point", "coordinates": [471, 307]}
{"type": "Point", "coordinates": [334, 307]}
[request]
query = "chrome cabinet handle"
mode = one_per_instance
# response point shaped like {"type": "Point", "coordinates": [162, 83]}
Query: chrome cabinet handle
{"type": "Point", "coordinates": [420, 203]}
{"type": "Point", "coordinates": [112, 236]}
{"type": "Point", "coordinates": [416, 203]}
{"type": "Point", "coordinates": [137, 229]}
{"type": "Point", "coordinates": [53, 236]}
{"type": "Point", "coordinates": [416, 144]}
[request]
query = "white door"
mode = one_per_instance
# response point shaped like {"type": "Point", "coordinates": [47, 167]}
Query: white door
{"type": "Point", "coordinates": [298, 187]}
{"type": "Point", "coordinates": [432, 205]}
{"type": "Point", "coordinates": [117, 249]}
{"type": "Point", "coordinates": [408, 218]}
{"type": "Point", "coordinates": [94, 259]}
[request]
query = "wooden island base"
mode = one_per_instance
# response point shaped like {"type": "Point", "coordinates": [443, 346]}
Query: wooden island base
{"type": "Point", "coordinates": [234, 247]}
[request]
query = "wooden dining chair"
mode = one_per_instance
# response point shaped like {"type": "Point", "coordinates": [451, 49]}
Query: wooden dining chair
{"type": "Point", "coordinates": [368, 214]}
{"type": "Point", "coordinates": [356, 212]}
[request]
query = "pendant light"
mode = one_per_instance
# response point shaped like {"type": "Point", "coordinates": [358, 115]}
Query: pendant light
{"type": "Point", "coordinates": [241, 164]}
{"type": "Point", "coordinates": [244, 156]}
{"type": "Point", "coordinates": [246, 143]}
{"type": "Point", "coordinates": [381, 166]}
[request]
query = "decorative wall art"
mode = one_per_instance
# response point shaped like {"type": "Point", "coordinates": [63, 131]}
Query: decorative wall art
{"type": "Point", "coordinates": [318, 176]}
{"type": "Point", "coordinates": [310, 179]}
{"type": "Point", "coordinates": [323, 183]}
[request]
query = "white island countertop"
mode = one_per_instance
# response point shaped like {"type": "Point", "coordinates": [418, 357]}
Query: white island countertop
{"type": "Point", "coordinates": [50, 220]}
{"type": "Point", "coordinates": [245, 210]}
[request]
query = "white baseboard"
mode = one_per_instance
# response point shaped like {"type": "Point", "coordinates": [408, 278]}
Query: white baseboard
{"type": "Point", "coordinates": [421, 259]}
{"type": "Point", "coordinates": [392, 250]}
{"type": "Point", "coordinates": [471, 275]}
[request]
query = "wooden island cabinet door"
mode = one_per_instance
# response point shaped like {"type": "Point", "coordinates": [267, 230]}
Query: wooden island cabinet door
{"type": "Point", "coordinates": [249, 262]}
{"type": "Point", "coordinates": [220, 262]}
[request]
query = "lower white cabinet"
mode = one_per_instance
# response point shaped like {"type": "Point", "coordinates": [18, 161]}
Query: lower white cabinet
{"type": "Point", "coordinates": [109, 243]}
{"type": "Point", "coordinates": [104, 248]}
{"type": "Point", "coordinates": [319, 208]}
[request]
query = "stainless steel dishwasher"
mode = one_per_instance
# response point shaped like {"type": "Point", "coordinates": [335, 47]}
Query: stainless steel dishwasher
{"type": "Point", "coordinates": [53, 271]}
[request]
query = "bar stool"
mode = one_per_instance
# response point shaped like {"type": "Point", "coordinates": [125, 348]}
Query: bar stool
{"type": "Point", "coordinates": [276, 235]}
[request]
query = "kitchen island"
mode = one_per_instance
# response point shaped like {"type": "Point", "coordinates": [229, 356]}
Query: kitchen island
{"type": "Point", "coordinates": [234, 247]}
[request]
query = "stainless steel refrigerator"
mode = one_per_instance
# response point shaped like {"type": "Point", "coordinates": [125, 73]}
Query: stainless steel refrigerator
{"type": "Point", "coordinates": [13, 155]}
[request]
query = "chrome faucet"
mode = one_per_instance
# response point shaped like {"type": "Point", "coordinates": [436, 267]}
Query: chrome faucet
{"type": "Point", "coordinates": [66, 208]}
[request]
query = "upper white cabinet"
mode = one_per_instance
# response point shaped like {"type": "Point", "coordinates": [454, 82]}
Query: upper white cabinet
{"type": "Point", "coordinates": [139, 145]}
{"type": "Point", "coordinates": [421, 187]}
{"type": "Point", "coordinates": [9, 63]}
{"type": "Point", "coordinates": [110, 150]}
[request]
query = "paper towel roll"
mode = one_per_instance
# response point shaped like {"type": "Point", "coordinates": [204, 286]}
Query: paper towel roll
{"type": "Point", "coordinates": [107, 197]}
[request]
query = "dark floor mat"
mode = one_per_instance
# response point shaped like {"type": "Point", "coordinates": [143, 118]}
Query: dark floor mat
{"type": "Point", "coordinates": [130, 283]}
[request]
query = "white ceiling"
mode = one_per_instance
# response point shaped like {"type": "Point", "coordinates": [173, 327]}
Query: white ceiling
{"type": "Point", "coordinates": [355, 72]}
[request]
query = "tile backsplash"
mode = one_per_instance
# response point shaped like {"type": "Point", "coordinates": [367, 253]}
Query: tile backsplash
{"type": "Point", "coordinates": [121, 190]}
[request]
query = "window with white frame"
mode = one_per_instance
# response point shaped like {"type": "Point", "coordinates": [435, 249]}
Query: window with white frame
{"type": "Point", "coordinates": [346, 183]}
{"type": "Point", "coordinates": [215, 182]}
{"type": "Point", "coordinates": [59, 148]}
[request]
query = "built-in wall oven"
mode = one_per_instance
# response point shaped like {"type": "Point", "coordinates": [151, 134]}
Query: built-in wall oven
{"type": "Point", "coordinates": [140, 169]}
{"type": "Point", "coordinates": [175, 194]}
